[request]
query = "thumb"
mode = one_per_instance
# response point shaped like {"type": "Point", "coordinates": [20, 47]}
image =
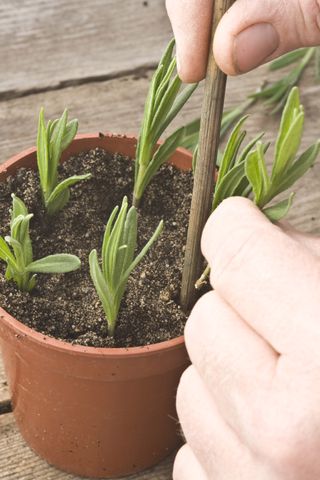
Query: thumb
{"type": "Point", "coordinates": [267, 277]}
{"type": "Point", "coordinates": [254, 32]}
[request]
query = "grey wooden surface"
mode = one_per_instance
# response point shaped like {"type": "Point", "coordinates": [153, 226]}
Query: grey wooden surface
{"type": "Point", "coordinates": [96, 58]}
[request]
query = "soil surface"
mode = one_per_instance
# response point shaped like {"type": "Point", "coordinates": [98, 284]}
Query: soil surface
{"type": "Point", "coordinates": [67, 306]}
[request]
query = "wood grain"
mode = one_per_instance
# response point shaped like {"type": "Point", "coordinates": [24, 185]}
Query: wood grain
{"type": "Point", "coordinates": [52, 44]}
{"type": "Point", "coordinates": [18, 462]}
{"type": "Point", "coordinates": [117, 106]}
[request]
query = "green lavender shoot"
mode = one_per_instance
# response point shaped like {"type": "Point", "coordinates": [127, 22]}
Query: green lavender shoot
{"type": "Point", "coordinates": [16, 252]}
{"type": "Point", "coordinates": [53, 139]}
{"type": "Point", "coordinates": [118, 260]}
{"type": "Point", "coordinates": [275, 94]}
{"type": "Point", "coordinates": [163, 103]}
{"type": "Point", "coordinates": [287, 168]}
{"type": "Point", "coordinates": [246, 174]}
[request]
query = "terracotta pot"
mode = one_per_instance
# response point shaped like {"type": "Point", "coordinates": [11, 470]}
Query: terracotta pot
{"type": "Point", "coordinates": [96, 412]}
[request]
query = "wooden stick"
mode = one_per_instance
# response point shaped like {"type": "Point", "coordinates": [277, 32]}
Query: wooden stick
{"type": "Point", "coordinates": [211, 115]}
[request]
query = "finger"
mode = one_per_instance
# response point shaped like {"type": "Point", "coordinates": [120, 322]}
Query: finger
{"type": "Point", "coordinates": [212, 440]}
{"type": "Point", "coordinates": [308, 240]}
{"type": "Point", "coordinates": [253, 33]}
{"type": "Point", "coordinates": [236, 364]}
{"type": "Point", "coordinates": [270, 279]}
{"type": "Point", "coordinates": [187, 467]}
{"type": "Point", "coordinates": [191, 24]}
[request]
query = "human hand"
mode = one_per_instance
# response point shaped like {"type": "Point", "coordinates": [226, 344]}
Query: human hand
{"type": "Point", "coordinates": [249, 405]}
{"type": "Point", "coordinates": [252, 32]}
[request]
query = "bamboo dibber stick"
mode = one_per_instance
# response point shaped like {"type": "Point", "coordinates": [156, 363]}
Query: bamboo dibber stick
{"type": "Point", "coordinates": [211, 115]}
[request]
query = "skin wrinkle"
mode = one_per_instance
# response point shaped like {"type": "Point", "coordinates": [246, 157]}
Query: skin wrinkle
{"type": "Point", "coordinates": [193, 433]}
{"type": "Point", "coordinates": [309, 21]}
{"type": "Point", "coordinates": [252, 239]}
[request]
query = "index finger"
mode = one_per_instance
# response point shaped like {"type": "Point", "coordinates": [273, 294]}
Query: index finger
{"type": "Point", "coordinates": [269, 278]}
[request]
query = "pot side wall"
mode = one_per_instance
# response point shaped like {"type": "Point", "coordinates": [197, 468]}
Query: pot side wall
{"type": "Point", "coordinates": [95, 412]}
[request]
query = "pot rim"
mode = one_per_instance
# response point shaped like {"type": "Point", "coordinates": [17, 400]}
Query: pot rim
{"type": "Point", "coordinates": [61, 345]}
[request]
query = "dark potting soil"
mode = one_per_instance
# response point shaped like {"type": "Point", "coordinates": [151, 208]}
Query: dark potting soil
{"type": "Point", "coordinates": [67, 306]}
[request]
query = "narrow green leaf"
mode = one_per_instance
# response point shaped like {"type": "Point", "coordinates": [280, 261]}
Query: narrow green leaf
{"type": "Point", "coordinates": [167, 56]}
{"type": "Point", "coordinates": [144, 251]}
{"type": "Point", "coordinates": [194, 159]}
{"type": "Point", "coordinates": [109, 303]}
{"type": "Point", "coordinates": [290, 111]}
{"type": "Point", "coordinates": [5, 252]}
{"type": "Point", "coordinates": [256, 172]}
{"type": "Point", "coordinates": [18, 207]}
{"type": "Point", "coordinates": [317, 64]}
{"type": "Point", "coordinates": [115, 243]}
{"type": "Point", "coordinates": [243, 155]}
{"type": "Point", "coordinates": [106, 242]}
{"type": "Point", "coordinates": [297, 169]}
{"type": "Point", "coordinates": [130, 233]}
{"type": "Point", "coordinates": [287, 59]}
{"type": "Point", "coordinates": [286, 152]}
{"type": "Point", "coordinates": [64, 185]}
{"type": "Point", "coordinates": [163, 109]}
{"type": "Point", "coordinates": [59, 263]}
{"type": "Point", "coordinates": [43, 153]}
{"type": "Point", "coordinates": [164, 84]}
{"type": "Point", "coordinates": [179, 102]}
{"type": "Point", "coordinates": [228, 184]}
{"type": "Point", "coordinates": [69, 134]}
{"type": "Point", "coordinates": [254, 175]}
{"type": "Point", "coordinates": [101, 286]}
{"type": "Point", "coordinates": [166, 149]}
{"type": "Point", "coordinates": [57, 204]}
{"type": "Point", "coordinates": [280, 210]}
{"type": "Point", "coordinates": [232, 148]}
{"type": "Point", "coordinates": [55, 146]}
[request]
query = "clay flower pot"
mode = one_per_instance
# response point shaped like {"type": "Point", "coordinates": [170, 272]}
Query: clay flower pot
{"type": "Point", "coordinates": [95, 412]}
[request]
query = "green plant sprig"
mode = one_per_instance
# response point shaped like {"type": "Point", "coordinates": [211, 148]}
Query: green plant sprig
{"type": "Point", "coordinates": [275, 94]}
{"type": "Point", "coordinates": [16, 252]}
{"type": "Point", "coordinates": [52, 140]}
{"type": "Point", "coordinates": [286, 167]}
{"type": "Point", "coordinates": [163, 103]}
{"type": "Point", "coordinates": [118, 261]}
{"type": "Point", "coordinates": [245, 174]}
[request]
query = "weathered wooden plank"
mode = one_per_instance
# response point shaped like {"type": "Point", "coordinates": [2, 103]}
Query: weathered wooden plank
{"type": "Point", "coordinates": [4, 391]}
{"type": "Point", "coordinates": [117, 106]}
{"type": "Point", "coordinates": [18, 462]}
{"type": "Point", "coordinates": [48, 44]}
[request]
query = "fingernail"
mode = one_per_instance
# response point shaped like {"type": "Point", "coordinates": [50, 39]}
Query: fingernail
{"type": "Point", "coordinates": [254, 45]}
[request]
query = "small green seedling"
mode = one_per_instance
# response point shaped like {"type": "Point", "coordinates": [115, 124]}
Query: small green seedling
{"type": "Point", "coordinates": [163, 103]}
{"type": "Point", "coordinates": [118, 247]}
{"type": "Point", "coordinates": [52, 140]}
{"type": "Point", "coordinates": [287, 168]}
{"type": "Point", "coordinates": [245, 174]}
{"type": "Point", "coordinates": [16, 251]}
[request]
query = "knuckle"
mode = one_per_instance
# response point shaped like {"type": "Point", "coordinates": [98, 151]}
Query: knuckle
{"type": "Point", "coordinates": [184, 391]}
{"type": "Point", "coordinates": [242, 244]}
{"type": "Point", "coordinates": [202, 309]}
{"type": "Point", "coordinates": [309, 22]}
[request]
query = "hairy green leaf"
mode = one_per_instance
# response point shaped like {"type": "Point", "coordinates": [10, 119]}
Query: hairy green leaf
{"type": "Point", "coordinates": [58, 263]}
{"type": "Point", "coordinates": [19, 260]}
{"type": "Point", "coordinates": [162, 105]}
{"type": "Point", "coordinates": [52, 140]}
{"type": "Point", "coordinates": [119, 244]}
{"type": "Point", "coordinates": [278, 211]}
